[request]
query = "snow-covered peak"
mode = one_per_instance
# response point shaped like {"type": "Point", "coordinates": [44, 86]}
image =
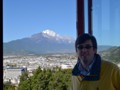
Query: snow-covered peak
{"type": "Point", "coordinates": [50, 33]}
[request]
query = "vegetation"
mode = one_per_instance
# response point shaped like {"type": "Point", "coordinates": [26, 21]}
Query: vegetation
{"type": "Point", "coordinates": [8, 87]}
{"type": "Point", "coordinates": [56, 79]}
{"type": "Point", "coordinates": [46, 79]}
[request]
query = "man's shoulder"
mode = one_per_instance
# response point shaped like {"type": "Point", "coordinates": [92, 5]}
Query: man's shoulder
{"type": "Point", "coordinates": [109, 64]}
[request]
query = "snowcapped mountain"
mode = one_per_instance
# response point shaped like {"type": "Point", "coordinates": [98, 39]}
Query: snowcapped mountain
{"type": "Point", "coordinates": [51, 35]}
{"type": "Point", "coordinates": [46, 41]}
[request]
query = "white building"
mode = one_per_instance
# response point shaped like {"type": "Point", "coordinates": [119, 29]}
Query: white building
{"type": "Point", "coordinates": [13, 74]}
{"type": "Point", "coordinates": [66, 66]}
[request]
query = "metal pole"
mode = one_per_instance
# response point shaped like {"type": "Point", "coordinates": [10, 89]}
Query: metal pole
{"type": "Point", "coordinates": [90, 17]}
{"type": "Point", "coordinates": [80, 17]}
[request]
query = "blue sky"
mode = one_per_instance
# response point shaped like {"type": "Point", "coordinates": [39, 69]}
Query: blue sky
{"type": "Point", "coordinates": [23, 18]}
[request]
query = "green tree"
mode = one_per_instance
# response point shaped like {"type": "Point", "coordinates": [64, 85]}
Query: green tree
{"type": "Point", "coordinates": [8, 87]}
{"type": "Point", "coordinates": [46, 79]}
{"type": "Point", "coordinates": [25, 82]}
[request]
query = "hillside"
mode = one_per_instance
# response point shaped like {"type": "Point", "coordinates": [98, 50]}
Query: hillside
{"type": "Point", "coordinates": [112, 54]}
{"type": "Point", "coordinates": [41, 43]}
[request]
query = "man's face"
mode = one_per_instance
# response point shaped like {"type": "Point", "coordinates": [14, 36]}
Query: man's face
{"type": "Point", "coordinates": [86, 51]}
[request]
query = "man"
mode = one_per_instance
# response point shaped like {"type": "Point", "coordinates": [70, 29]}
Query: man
{"type": "Point", "coordinates": [90, 72]}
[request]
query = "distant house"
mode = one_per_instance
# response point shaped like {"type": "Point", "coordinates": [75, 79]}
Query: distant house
{"type": "Point", "coordinates": [66, 66]}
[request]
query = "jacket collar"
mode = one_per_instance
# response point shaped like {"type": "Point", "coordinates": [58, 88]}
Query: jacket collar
{"type": "Point", "coordinates": [94, 72]}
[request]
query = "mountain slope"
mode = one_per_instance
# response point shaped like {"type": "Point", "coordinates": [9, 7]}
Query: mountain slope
{"type": "Point", "coordinates": [44, 42]}
{"type": "Point", "coordinates": [112, 54]}
{"type": "Point", "coordinates": [40, 43]}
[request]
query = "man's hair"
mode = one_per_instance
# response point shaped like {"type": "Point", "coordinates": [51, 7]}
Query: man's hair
{"type": "Point", "coordinates": [84, 37]}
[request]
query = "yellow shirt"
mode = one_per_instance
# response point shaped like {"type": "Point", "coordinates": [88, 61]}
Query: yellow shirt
{"type": "Point", "coordinates": [109, 79]}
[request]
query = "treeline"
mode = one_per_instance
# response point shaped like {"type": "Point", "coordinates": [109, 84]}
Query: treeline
{"type": "Point", "coordinates": [47, 79]}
